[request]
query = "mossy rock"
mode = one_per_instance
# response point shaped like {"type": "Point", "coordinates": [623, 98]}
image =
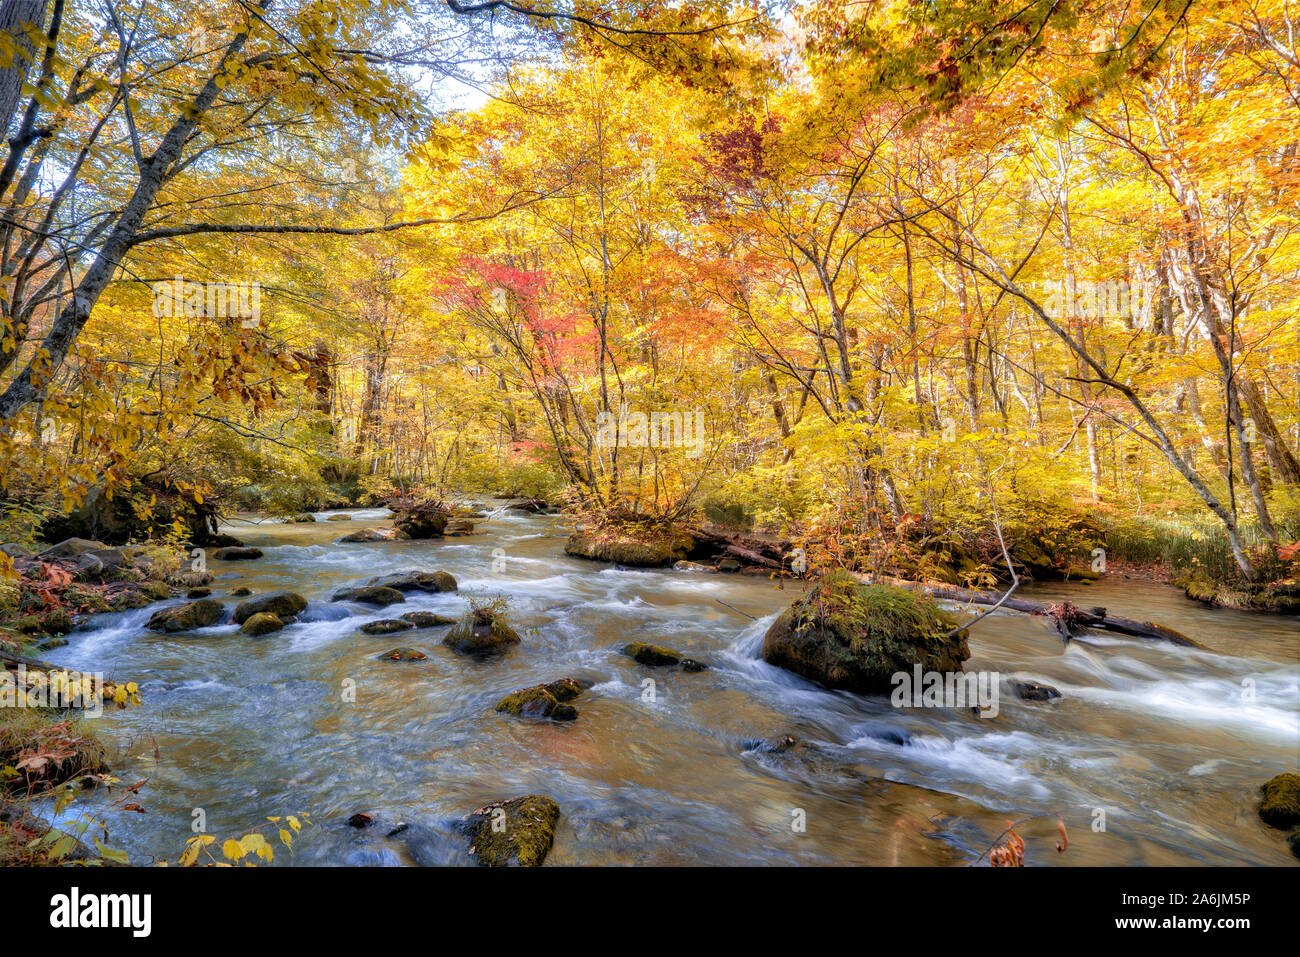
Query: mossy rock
{"type": "Point", "coordinates": [544, 701]}
{"type": "Point", "coordinates": [202, 592]}
{"type": "Point", "coordinates": [262, 623]}
{"type": "Point", "coordinates": [237, 553]}
{"type": "Point", "coordinates": [386, 626]}
{"type": "Point", "coordinates": [283, 604]}
{"type": "Point", "coordinates": [303, 518]}
{"type": "Point", "coordinates": [57, 622]}
{"type": "Point", "coordinates": [338, 518]}
{"type": "Point", "coordinates": [659, 656]}
{"type": "Point", "coordinates": [156, 590]}
{"type": "Point", "coordinates": [370, 595]}
{"type": "Point", "coordinates": [641, 549]}
{"type": "Point", "coordinates": [403, 654]}
{"type": "Point", "coordinates": [241, 592]}
{"type": "Point", "coordinates": [1280, 806]}
{"type": "Point", "coordinates": [856, 637]}
{"type": "Point", "coordinates": [428, 619]}
{"type": "Point", "coordinates": [416, 581]}
{"type": "Point", "coordinates": [515, 833]}
{"type": "Point", "coordinates": [480, 633]}
{"type": "Point", "coordinates": [28, 625]}
{"type": "Point", "coordinates": [196, 614]}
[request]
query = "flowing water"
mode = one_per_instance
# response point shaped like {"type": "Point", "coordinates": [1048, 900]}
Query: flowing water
{"type": "Point", "coordinates": [1164, 746]}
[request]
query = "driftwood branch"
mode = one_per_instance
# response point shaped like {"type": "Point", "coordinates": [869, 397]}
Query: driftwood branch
{"type": "Point", "coordinates": [1068, 619]}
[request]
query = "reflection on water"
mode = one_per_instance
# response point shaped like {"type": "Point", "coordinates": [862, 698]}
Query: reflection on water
{"type": "Point", "coordinates": [1169, 743]}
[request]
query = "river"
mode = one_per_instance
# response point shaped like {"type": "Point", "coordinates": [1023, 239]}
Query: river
{"type": "Point", "coordinates": [1152, 756]}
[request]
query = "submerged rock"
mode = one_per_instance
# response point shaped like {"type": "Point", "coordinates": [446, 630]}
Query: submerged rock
{"type": "Point", "coordinates": [201, 592]}
{"type": "Point", "coordinates": [241, 592]}
{"type": "Point", "coordinates": [403, 654]}
{"type": "Point", "coordinates": [777, 745]}
{"type": "Point", "coordinates": [1280, 806]}
{"type": "Point", "coordinates": [544, 700]}
{"type": "Point", "coordinates": [480, 632]}
{"type": "Point", "coordinates": [324, 611]}
{"type": "Point", "coordinates": [237, 553]}
{"type": "Point", "coordinates": [282, 604]}
{"type": "Point", "coordinates": [856, 637]}
{"type": "Point", "coordinates": [386, 626]}
{"type": "Point", "coordinates": [196, 614]}
{"type": "Point", "coordinates": [370, 595]}
{"type": "Point", "coordinates": [373, 535]}
{"type": "Point", "coordinates": [648, 549]}
{"type": "Point", "coordinates": [428, 619]}
{"type": "Point", "coordinates": [661, 657]}
{"type": "Point", "coordinates": [515, 833]}
{"type": "Point", "coordinates": [360, 820]}
{"type": "Point", "coordinates": [338, 518]}
{"type": "Point", "coordinates": [416, 581]}
{"type": "Point", "coordinates": [685, 566]}
{"type": "Point", "coordinates": [263, 623]}
{"type": "Point", "coordinates": [1032, 691]}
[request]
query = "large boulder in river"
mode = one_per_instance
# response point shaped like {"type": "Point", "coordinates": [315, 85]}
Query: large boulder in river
{"type": "Point", "coordinates": [421, 520]}
{"type": "Point", "coordinates": [196, 614]}
{"type": "Point", "coordinates": [427, 619]}
{"type": "Point", "coordinates": [1280, 806]}
{"type": "Point", "coordinates": [515, 833]}
{"type": "Point", "coordinates": [642, 548]}
{"type": "Point", "coordinates": [416, 581]}
{"type": "Point", "coordinates": [857, 637]}
{"type": "Point", "coordinates": [370, 595]}
{"type": "Point", "coordinates": [480, 632]}
{"type": "Point", "coordinates": [282, 604]}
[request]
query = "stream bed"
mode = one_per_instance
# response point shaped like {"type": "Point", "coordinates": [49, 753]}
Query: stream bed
{"type": "Point", "coordinates": [1153, 756]}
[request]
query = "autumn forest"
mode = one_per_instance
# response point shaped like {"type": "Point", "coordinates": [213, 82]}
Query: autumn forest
{"type": "Point", "coordinates": [951, 323]}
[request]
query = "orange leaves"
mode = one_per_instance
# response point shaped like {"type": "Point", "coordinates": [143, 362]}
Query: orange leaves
{"type": "Point", "coordinates": [1010, 854]}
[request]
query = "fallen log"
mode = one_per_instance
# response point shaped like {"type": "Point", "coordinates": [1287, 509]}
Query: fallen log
{"type": "Point", "coordinates": [1067, 618]}
{"type": "Point", "coordinates": [754, 551]}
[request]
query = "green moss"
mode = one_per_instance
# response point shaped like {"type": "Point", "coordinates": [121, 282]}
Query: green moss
{"type": "Point", "coordinates": [516, 833]}
{"type": "Point", "coordinates": [543, 701]}
{"type": "Point", "coordinates": [1280, 806]}
{"type": "Point", "coordinates": [856, 637]}
{"type": "Point", "coordinates": [262, 623]}
{"type": "Point", "coordinates": [642, 547]}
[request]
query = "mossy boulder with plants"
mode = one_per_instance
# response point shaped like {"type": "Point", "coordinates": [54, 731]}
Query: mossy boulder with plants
{"type": "Point", "coordinates": [641, 546]}
{"type": "Point", "coordinates": [514, 833]}
{"type": "Point", "coordinates": [855, 637]}
{"type": "Point", "coordinates": [482, 630]}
